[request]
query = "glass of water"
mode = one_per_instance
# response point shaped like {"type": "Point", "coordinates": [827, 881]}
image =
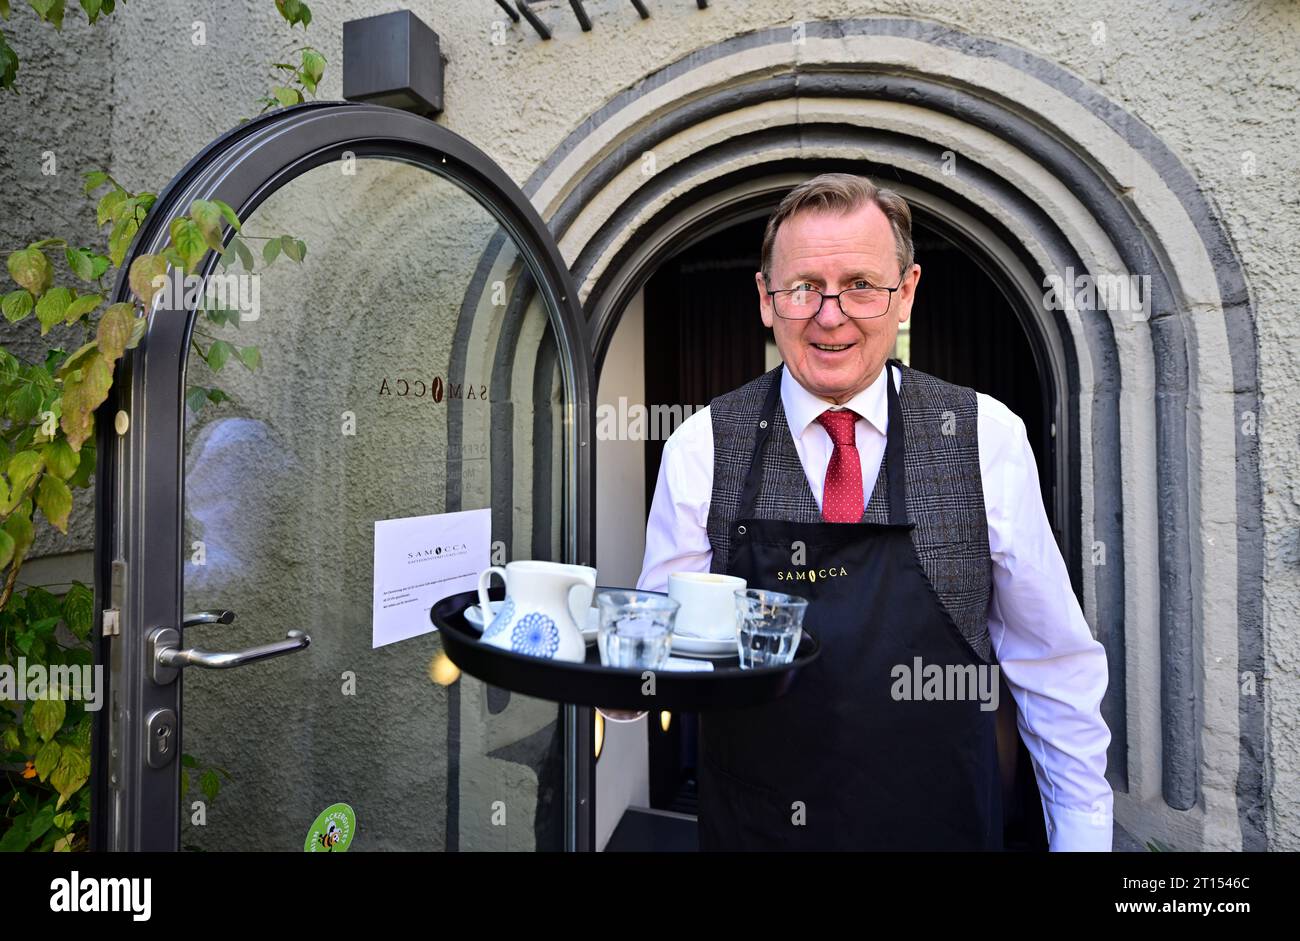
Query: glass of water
{"type": "Point", "coordinates": [636, 629]}
{"type": "Point", "coordinates": [769, 626]}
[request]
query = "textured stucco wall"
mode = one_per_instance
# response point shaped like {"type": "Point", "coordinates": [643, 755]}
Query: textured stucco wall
{"type": "Point", "coordinates": [64, 111]}
{"type": "Point", "coordinates": [1216, 82]}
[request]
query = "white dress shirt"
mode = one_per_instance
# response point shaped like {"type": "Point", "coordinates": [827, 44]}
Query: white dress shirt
{"type": "Point", "coordinates": [1055, 669]}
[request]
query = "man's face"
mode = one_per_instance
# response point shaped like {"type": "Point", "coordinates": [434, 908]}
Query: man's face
{"type": "Point", "coordinates": [831, 355]}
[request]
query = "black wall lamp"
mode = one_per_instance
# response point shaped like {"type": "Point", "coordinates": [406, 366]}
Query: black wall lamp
{"type": "Point", "coordinates": [393, 59]}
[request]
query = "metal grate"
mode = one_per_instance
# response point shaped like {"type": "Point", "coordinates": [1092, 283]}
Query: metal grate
{"type": "Point", "coordinates": [522, 10]}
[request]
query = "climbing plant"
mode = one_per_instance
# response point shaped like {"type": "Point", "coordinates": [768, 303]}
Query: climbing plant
{"type": "Point", "coordinates": [48, 409]}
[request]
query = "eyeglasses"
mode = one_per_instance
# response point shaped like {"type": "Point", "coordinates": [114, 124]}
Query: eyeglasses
{"type": "Point", "coordinates": [858, 303]}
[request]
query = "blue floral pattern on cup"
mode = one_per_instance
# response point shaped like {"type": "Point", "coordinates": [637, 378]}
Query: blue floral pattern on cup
{"type": "Point", "coordinates": [501, 620]}
{"type": "Point", "coordinates": [535, 635]}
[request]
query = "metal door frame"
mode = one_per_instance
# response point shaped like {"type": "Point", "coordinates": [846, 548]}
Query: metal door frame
{"type": "Point", "coordinates": [140, 474]}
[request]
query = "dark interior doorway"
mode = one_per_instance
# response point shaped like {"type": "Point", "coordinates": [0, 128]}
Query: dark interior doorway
{"type": "Point", "coordinates": [703, 337]}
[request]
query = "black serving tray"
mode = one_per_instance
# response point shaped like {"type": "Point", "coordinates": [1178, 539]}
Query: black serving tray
{"type": "Point", "coordinates": [727, 686]}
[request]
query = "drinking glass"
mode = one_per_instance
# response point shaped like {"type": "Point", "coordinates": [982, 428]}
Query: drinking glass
{"type": "Point", "coordinates": [768, 627]}
{"type": "Point", "coordinates": [636, 629]}
{"type": "Point", "coordinates": [636, 632]}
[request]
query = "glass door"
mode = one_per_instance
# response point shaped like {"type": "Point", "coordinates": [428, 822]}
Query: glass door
{"type": "Point", "coordinates": [407, 342]}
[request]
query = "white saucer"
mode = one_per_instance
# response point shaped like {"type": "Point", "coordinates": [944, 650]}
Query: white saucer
{"type": "Point", "coordinates": [704, 647]}
{"type": "Point", "coordinates": [589, 631]}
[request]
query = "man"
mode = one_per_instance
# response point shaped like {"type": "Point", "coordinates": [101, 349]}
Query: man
{"type": "Point", "coordinates": [949, 564]}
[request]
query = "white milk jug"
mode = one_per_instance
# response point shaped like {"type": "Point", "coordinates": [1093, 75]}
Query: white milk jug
{"type": "Point", "coordinates": [536, 618]}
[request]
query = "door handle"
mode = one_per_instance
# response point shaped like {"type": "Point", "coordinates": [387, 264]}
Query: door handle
{"type": "Point", "coordinates": [167, 658]}
{"type": "Point", "coordinates": [208, 617]}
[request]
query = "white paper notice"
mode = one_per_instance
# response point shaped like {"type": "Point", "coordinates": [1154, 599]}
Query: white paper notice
{"type": "Point", "coordinates": [421, 560]}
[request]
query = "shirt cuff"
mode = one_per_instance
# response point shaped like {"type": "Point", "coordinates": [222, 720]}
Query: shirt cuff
{"type": "Point", "coordinates": [1078, 831]}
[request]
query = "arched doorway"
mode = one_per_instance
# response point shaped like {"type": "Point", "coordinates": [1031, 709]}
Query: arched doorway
{"type": "Point", "coordinates": [698, 333]}
{"type": "Point", "coordinates": [1158, 489]}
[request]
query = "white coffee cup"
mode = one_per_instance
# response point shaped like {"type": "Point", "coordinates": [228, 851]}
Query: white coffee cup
{"type": "Point", "coordinates": [708, 603]}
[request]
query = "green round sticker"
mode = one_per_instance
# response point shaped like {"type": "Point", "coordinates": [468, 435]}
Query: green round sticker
{"type": "Point", "coordinates": [332, 831]}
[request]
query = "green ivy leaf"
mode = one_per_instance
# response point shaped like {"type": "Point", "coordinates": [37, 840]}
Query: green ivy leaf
{"type": "Point", "coordinates": [81, 261]}
{"type": "Point", "coordinates": [79, 610]}
{"type": "Point", "coordinates": [293, 248]}
{"type": "Point", "coordinates": [313, 65]}
{"type": "Point", "coordinates": [81, 396]}
{"type": "Point", "coordinates": [30, 269]}
{"type": "Point", "coordinates": [19, 528]}
{"type": "Point", "coordinates": [138, 329]}
{"type": "Point", "coordinates": [16, 839]}
{"type": "Point", "coordinates": [217, 315]}
{"type": "Point", "coordinates": [48, 716]}
{"type": "Point", "coordinates": [119, 241]}
{"type": "Point", "coordinates": [108, 203]}
{"type": "Point", "coordinates": [8, 367]}
{"type": "Point", "coordinates": [216, 396]}
{"type": "Point", "coordinates": [188, 240]}
{"type": "Point", "coordinates": [26, 400]}
{"type": "Point", "coordinates": [196, 398]}
{"type": "Point", "coordinates": [6, 548]}
{"type": "Point", "coordinates": [51, 11]}
{"type": "Point", "coordinates": [286, 96]}
{"type": "Point", "coordinates": [17, 305]}
{"type": "Point", "coordinates": [8, 64]}
{"type": "Point", "coordinates": [55, 501]}
{"type": "Point", "coordinates": [61, 460]}
{"type": "Point", "coordinates": [210, 784]}
{"type": "Point", "coordinates": [115, 329]}
{"type": "Point", "coordinates": [80, 737]}
{"type": "Point", "coordinates": [92, 9]}
{"type": "Point", "coordinates": [47, 759]}
{"type": "Point", "coordinates": [271, 251]}
{"type": "Point", "coordinates": [218, 353]}
{"type": "Point", "coordinates": [83, 305]}
{"type": "Point", "coordinates": [23, 466]}
{"type": "Point", "coordinates": [73, 771]}
{"type": "Point", "coordinates": [245, 256]}
{"type": "Point", "coordinates": [251, 357]}
{"type": "Point", "coordinates": [94, 180]}
{"type": "Point", "coordinates": [53, 307]}
{"type": "Point", "coordinates": [76, 360]}
{"type": "Point", "coordinates": [230, 215]}
{"type": "Point", "coordinates": [207, 217]}
{"type": "Point", "coordinates": [85, 467]}
{"type": "Point", "coordinates": [41, 823]}
{"type": "Point", "coordinates": [147, 272]}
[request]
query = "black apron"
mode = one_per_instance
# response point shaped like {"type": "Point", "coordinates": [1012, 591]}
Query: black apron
{"type": "Point", "coordinates": [839, 763]}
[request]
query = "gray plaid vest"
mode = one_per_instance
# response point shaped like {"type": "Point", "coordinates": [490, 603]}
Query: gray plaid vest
{"type": "Point", "coordinates": [945, 494]}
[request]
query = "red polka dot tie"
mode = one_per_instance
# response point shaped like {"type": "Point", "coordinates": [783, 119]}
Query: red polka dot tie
{"type": "Point", "coordinates": [842, 495]}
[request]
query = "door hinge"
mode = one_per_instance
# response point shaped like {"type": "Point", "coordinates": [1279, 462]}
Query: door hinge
{"type": "Point", "coordinates": [112, 622]}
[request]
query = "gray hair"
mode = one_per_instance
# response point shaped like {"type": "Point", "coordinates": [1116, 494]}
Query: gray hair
{"type": "Point", "coordinates": [843, 193]}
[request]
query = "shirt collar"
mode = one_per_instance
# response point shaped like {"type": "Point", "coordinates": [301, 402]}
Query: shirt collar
{"type": "Point", "coordinates": [802, 407]}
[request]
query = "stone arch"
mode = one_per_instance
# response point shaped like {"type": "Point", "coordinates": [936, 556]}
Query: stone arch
{"type": "Point", "coordinates": [1050, 175]}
